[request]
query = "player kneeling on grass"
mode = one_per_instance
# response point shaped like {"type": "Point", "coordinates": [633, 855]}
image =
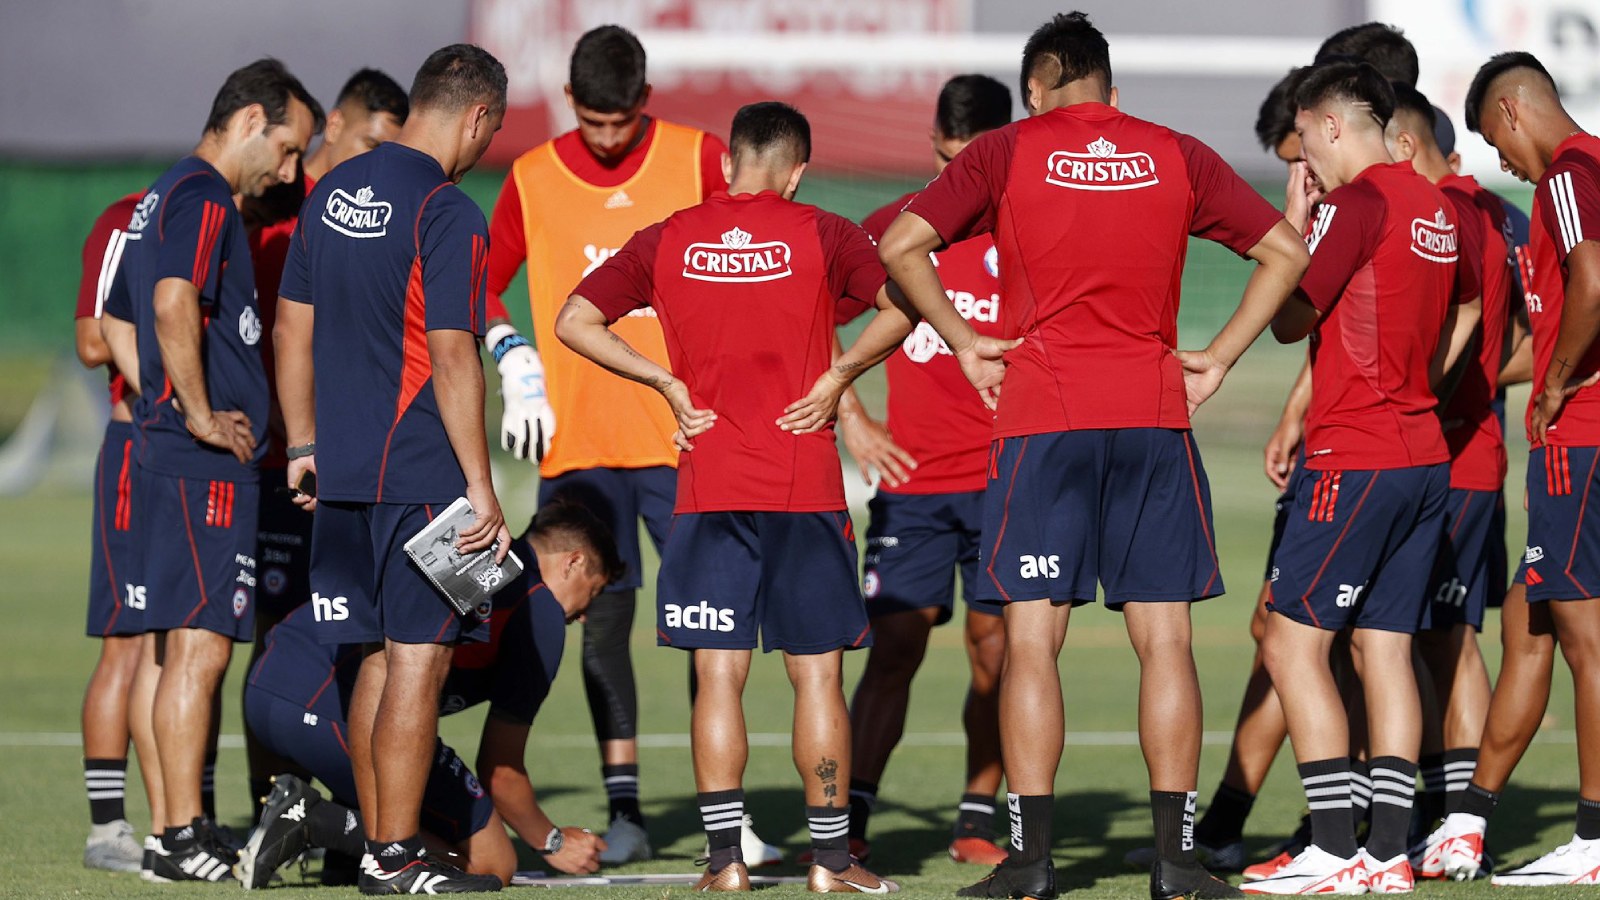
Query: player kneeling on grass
{"type": "Point", "coordinates": [1365, 525]}
{"type": "Point", "coordinates": [746, 285]}
{"type": "Point", "coordinates": [299, 711]}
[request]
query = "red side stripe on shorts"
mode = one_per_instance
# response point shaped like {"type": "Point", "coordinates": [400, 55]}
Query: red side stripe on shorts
{"type": "Point", "coordinates": [1577, 528]}
{"type": "Point", "coordinates": [211, 503]}
{"type": "Point", "coordinates": [1005, 517]}
{"type": "Point", "coordinates": [1305, 599]}
{"type": "Point", "coordinates": [228, 520]}
{"type": "Point", "coordinates": [1333, 496]}
{"type": "Point", "coordinates": [194, 554]}
{"type": "Point", "coordinates": [1200, 508]}
{"type": "Point", "coordinates": [122, 519]}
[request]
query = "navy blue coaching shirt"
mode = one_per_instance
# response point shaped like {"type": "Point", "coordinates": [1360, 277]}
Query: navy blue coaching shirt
{"type": "Point", "coordinates": [187, 227]}
{"type": "Point", "coordinates": [386, 250]}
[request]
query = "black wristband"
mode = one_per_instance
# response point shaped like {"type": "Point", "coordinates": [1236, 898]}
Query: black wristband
{"type": "Point", "coordinates": [302, 451]}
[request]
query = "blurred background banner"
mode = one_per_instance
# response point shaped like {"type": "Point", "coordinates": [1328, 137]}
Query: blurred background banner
{"type": "Point", "coordinates": [1454, 37]}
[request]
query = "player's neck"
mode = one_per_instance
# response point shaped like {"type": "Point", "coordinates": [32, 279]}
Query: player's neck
{"type": "Point", "coordinates": [440, 140]}
{"type": "Point", "coordinates": [1551, 136]}
{"type": "Point", "coordinates": [219, 156]}
{"type": "Point", "coordinates": [1360, 156]}
{"type": "Point", "coordinates": [1432, 165]}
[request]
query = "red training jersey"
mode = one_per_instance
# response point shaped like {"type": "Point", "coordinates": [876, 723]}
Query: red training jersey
{"type": "Point", "coordinates": [746, 286]}
{"type": "Point", "coordinates": [935, 414]}
{"type": "Point", "coordinates": [1471, 429]}
{"type": "Point", "coordinates": [1091, 211]}
{"type": "Point", "coordinates": [269, 247]}
{"type": "Point", "coordinates": [1383, 271]}
{"type": "Point", "coordinates": [1566, 212]}
{"type": "Point", "coordinates": [102, 253]}
{"type": "Point", "coordinates": [508, 245]}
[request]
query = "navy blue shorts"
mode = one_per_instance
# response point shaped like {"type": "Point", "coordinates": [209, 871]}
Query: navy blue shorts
{"type": "Point", "coordinates": [1470, 572]}
{"type": "Point", "coordinates": [1562, 558]}
{"type": "Point", "coordinates": [454, 805]}
{"type": "Point", "coordinates": [915, 545]}
{"type": "Point", "coordinates": [116, 583]}
{"type": "Point", "coordinates": [283, 552]}
{"type": "Point", "coordinates": [620, 498]}
{"type": "Point", "coordinates": [365, 589]}
{"type": "Point", "coordinates": [199, 554]}
{"type": "Point", "coordinates": [1129, 509]}
{"type": "Point", "coordinates": [1280, 510]}
{"type": "Point", "coordinates": [1360, 546]}
{"type": "Point", "coordinates": [790, 578]}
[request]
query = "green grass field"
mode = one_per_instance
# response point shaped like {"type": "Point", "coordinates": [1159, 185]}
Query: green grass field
{"type": "Point", "coordinates": [45, 660]}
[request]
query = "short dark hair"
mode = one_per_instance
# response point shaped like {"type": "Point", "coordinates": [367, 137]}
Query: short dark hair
{"type": "Point", "coordinates": [969, 105]}
{"type": "Point", "coordinates": [377, 93]}
{"type": "Point", "coordinates": [458, 76]}
{"type": "Point", "coordinates": [770, 125]}
{"type": "Point", "coordinates": [1275, 119]}
{"type": "Point", "coordinates": [571, 526]}
{"type": "Point", "coordinates": [1409, 98]}
{"type": "Point", "coordinates": [267, 82]}
{"type": "Point", "coordinates": [1063, 50]}
{"type": "Point", "coordinates": [1384, 47]}
{"type": "Point", "coordinates": [607, 70]}
{"type": "Point", "coordinates": [1349, 82]}
{"type": "Point", "coordinates": [1498, 65]}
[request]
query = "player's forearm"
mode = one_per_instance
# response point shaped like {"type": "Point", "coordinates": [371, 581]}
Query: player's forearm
{"type": "Point", "coordinates": [904, 252]}
{"type": "Point", "coordinates": [883, 335]}
{"type": "Point", "coordinates": [1518, 368]}
{"type": "Point", "coordinates": [1461, 322]}
{"type": "Point", "coordinates": [516, 802]}
{"type": "Point", "coordinates": [582, 327]}
{"type": "Point", "coordinates": [178, 334]}
{"type": "Point", "coordinates": [91, 347]}
{"type": "Point", "coordinates": [458, 389]}
{"type": "Point", "coordinates": [295, 368]}
{"type": "Point", "coordinates": [1299, 399]}
{"type": "Point", "coordinates": [1295, 320]}
{"type": "Point", "coordinates": [1580, 316]}
{"type": "Point", "coordinates": [1282, 260]}
{"type": "Point", "coordinates": [122, 342]}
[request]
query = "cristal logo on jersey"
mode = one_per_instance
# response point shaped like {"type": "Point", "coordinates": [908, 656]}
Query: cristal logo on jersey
{"type": "Point", "coordinates": [1434, 238]}
{"type": "Point", "coordinates": [737, 259]}
{"type": "Point", "coordinates": [141, 215]}
{"type": "Point", "coordinates": [1102, 168]}
{"type": "Point", "coordinates": [359, 216]}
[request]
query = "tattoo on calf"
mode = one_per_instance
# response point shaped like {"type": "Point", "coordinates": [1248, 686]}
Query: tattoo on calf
{"type": "Point", "coordinates": [828, 771]}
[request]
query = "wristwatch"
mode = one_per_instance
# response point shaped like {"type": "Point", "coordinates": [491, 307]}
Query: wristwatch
{"type": "Point", "coordinates": [301, 451]}
{"type": "Point", "coordinates": [553, 842]}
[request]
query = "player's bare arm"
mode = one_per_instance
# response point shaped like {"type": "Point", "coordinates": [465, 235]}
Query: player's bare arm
{"type": "Point", "coordinates": [90, 344]}
{"type": "Point", "coordinates": [868, 440]}
{"type": "Point", "coordinates": [582, 326]}
{"type": "Point", "coordinates": [291, 342]}
{"type": "Point", "coordinates": [500, 763]}
{"type": "Point", "coordinates": [1281, 259]}
{"type": "Point", "coordinates": [178, 331]}
{"type": "Point", "coordinates": [1580, 324]}
{"type": "Point", "coordinates": [1518, 367]}
{"type": "Point", "coordinates": [122, 343]}
{"type": "Point", "coordinates": [889, 327]}
{"type": "Point", "coordinates": [904, 251]}
{"type": "Point", "coordinates": [1460, 325]}
{"type": "Point", "coordinates": [458, 388]}
{"type": "Point", "coordinates": [1285, 440]}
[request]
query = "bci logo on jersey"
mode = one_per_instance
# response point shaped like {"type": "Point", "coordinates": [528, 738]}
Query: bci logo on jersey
{"type": "Point", "coordinates": [1102, 168]}
{"type": "Point", "coordinates": [737, 260]}
{"type": "Point", "coordinates": [359, 216]}
{"type": "Point", "coordinates": [1434, 239]}
{"type": "Point", "coordinates": [141, 215]}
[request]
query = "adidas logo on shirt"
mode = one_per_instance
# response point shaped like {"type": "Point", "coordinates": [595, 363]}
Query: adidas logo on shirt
{"type": "Point", "coordinates": [619, 200]}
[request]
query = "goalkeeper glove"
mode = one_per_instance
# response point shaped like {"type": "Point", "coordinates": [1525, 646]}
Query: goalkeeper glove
{"type": "Point", "coordinates": [527, 423]}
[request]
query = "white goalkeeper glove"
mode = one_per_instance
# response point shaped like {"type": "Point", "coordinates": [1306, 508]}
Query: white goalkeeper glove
{"type": "Point", "coordinates": [527, 423]}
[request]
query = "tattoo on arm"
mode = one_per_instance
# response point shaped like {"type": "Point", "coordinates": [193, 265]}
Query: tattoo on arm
{"type": "Point", "coordinates": [623, 344]}
{"type": "Point", "coordinates": [1565, 366]}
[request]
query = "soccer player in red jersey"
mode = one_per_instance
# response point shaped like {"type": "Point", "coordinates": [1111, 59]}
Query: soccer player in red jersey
{"type": "Point", "coordinates": [116, 590]}
{"type": "Point", "coordinates": [1514, 104]}
{"type": "Point", "coordinates": [1091, 210]}
{"type": "Point", "coordinates": [1365, 526]}
{"type": "Point", "coordinates": [746, 285]}
{"type": "Point", "coordinates": [1471, 566]}
{"type": "Point", "coordinates": [369, 110]}
{"type": "Point", "coordinates": [379, 317]}
{"type": "Point", "coordinates": [566, 206]}
{"type": "Point", "coordinates": [933, 458]}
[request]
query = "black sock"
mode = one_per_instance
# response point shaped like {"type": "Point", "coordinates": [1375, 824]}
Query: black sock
{"type": "Point", "coordinates": [1360, 793]}
{"type": "Point", "coordinates": [1431, 799]}
{"type": "Point", "coordinates": [208, 787]}
{"type": "Point", "coordinates": [1223, 822]}
{"type": "Point", "coordinates": [1173, 812]}
{"type": "Point", "coordinates": [182, 837]}
{"type": "Point", "coordinates": [622, 792]}
{"type": "Point", "coordinates": [1459, 764]}
{"type": "Point", "coordinates": [259, 789]}
{"type": "Point", "coordinates": [1474, 801]}
{"type": "Point", "coordinates": [1030, 826]}
{"type": "Point", "coordinates": [1588, 819]}
{"type": "Point", "coordinates": [1327, 786]}
{"type": "Point", "coordinates": [392, 856]}
{"type": "Point", "coordinates": [722, 813]}
{"type": "Point", "coordinates": [1394, 783]}
{"type": "Point", "coordinates": [974, 817]}
{"type": "Point", "coordinates": [863, 797]}
{"type": "Point", "coordinates": [830, 836]}
{"type": "Point", "coordinates": [106, 782]}
{"type": "Point", "coordinates": [334, 827]}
